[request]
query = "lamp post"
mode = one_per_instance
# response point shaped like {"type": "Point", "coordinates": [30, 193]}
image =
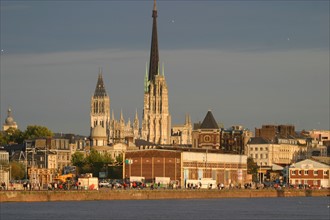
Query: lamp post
{"type": "Point", "coordinates": [260, 175]}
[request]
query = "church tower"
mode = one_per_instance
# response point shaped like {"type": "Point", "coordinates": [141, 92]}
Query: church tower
{"type": "Point", "coordinates": [100, 114]}
{"type": "Point", "coordinates": [156, 122]}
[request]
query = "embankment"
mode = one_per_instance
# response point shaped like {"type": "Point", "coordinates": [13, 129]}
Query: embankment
{"type": "Point", "coordinates": [48, 196]}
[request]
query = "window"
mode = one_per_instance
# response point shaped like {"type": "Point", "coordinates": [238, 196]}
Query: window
{"type": "Point", "coordinates": [293, 172]}
{"type": "Point", "coordinates": [261, 148]}
{"type": "Point", "coordinates": [299, 172]}
{"type": "Point", "coordinates": [256, 148]}
{"type": "Point", "coordinates": [325, 172]}
{"type": "Point", "coordinates": [305, 172]}
{"type": "Point", "coordinates": [315, 172]}
{"type": "Point", "coordinates": [256, 156]}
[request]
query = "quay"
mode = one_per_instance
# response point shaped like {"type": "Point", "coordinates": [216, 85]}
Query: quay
{"type": "Point", "coordinates": [147, 194]}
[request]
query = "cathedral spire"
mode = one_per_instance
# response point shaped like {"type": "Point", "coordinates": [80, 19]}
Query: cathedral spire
{"type": "Point", "coordinates": [154, 54]}
{"type": "Point", "coordinates": [100, 89]}
{"type": "Point", "coordinates": [136, 115]}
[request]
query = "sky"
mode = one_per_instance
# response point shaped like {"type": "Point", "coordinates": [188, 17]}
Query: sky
{"type": "Point", "coordinates": [250, 62]}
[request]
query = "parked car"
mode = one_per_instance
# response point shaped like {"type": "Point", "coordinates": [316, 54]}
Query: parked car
{"type": "Point", "coordinates": [117, 184]}
{"type": "Point", "coordinates": [104, 183]}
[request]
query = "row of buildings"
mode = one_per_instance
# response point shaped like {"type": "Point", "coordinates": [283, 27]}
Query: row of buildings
{"type": "Point", "coordinates": [156, 148]}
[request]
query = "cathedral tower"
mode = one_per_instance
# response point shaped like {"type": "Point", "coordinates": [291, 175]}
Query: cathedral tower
{"type": "Point", "coordinates": [100, 114]}
{"type": "Point", "coordinates": [156, 122]}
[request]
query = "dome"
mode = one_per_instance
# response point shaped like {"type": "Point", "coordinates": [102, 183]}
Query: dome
{"type": "Point", "coordinates": [10, 121]}
{"type": "Point", "coordinates": [99, 131]}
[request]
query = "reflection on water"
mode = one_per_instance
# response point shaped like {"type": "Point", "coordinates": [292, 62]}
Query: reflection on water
{"type": "Point", "coordinates": [255, 208]}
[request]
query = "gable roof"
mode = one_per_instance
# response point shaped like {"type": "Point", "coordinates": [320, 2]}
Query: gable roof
{"type": "Point", "coordinates": [309, 163]}
{"type": "Point", "coordinates": [209, 122]}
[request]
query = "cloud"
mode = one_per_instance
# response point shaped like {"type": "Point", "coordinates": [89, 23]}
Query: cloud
{"type": "Point", "coordinates": [248, 88]}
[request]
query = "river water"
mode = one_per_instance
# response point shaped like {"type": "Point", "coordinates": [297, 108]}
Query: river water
{"type": "Point", "coordinates": [297, 208]}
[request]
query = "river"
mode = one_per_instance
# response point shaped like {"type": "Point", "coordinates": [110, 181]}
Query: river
{"type": "Point", "coordinates": [293, 208]}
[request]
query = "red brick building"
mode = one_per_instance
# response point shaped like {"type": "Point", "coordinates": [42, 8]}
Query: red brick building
{"type": "Point", "coordinates": [184, 165]}
{"type": "Point", "coordinates": [311, 173]}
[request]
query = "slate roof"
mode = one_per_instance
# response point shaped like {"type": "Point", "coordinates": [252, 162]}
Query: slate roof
{"type": "Point", "coordinates": [258, 140]}
{"type": "Point", "coordinates": [100, 89]}
{"type": "Point", "coordinates": [209, 122]}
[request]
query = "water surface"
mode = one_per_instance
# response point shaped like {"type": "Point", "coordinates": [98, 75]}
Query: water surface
{"type": "Point", "coordinates": [296, 208]}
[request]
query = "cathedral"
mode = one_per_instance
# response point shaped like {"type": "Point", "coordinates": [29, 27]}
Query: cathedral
{"type": "Point", "coordinates": [156, 118]}
{"type": "Point", "coordinates": [156, 122]}
{"type": "Point", "coordinates": [106, 130]}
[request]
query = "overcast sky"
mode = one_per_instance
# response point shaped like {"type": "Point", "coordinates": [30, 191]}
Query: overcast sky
{"type": "Point", "coordinates": [250, 62]}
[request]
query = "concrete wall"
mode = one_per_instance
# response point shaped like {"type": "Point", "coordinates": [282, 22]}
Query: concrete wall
{"type": "Point", "coordinates": [48, 196]}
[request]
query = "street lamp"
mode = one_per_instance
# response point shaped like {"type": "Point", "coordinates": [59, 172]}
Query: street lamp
{"type": "Point", "coordinates": [260, 175]}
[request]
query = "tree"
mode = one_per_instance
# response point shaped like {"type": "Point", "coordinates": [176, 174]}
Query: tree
{"type": "Point", "coordinates": [78, 160]}
{"type": "Point", "coordinates": [93, 163]}
{"type": "Point", "coordinates": [252, 168]}
{"type": "Point", "coordinates": [36, 131]}
{"type": "Point", "coordinates": [17, 170]}
{"type": "Point", "coordinates": [11, 135]}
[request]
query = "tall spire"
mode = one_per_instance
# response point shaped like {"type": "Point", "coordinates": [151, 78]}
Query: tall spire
{"type": "Point", "coordinates": [100, 89]}
{"type": "Point", "coordinates": [154, 54]}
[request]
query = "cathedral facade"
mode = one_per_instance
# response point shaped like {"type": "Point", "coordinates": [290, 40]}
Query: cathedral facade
{"type": "Point", "coordinates": [156, 121]}
{"type": "Point", "coordinates": [156, 118]}
{"type": "Point", "coordinates": [105, 129]}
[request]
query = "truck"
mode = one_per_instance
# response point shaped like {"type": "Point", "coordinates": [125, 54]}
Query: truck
{"type": "Point", "coordinates": [64, 178]}
{"type": "Point", "coordinates": [88, 183]}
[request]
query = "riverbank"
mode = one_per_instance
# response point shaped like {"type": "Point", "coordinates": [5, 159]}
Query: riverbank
{"type": "Point", "coordinates": [48, 196]}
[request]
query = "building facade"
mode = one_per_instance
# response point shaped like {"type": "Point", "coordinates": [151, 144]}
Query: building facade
{"type": "Point", "coordinates": [106, 130]}
{"type": "Point", "coordinates": [100, 114]}
{"type": "Point", "coordinates": [183, 166]}
{"type": "Point", "coordinates": [270, 132]}
{"type": "Point", "coordinates": [310, 173]}
{"type": "Point", "coordinates": [182, 134]}
{"type": "Point", "coordinates": [156, 124]}
{"type": "Point", "coordinates": [209, 135]}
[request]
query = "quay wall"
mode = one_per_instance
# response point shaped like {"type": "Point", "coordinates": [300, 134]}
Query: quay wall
{"type": "Point", "coordinates": [48, 196]}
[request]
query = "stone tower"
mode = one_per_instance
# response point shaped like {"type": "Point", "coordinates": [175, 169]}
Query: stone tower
{"type": "Point", "coordinates": [100, 114]}
{"type": "Point", "coordinates": [156, 122]}
{"type": "Point", "coordinates": [9, 122]}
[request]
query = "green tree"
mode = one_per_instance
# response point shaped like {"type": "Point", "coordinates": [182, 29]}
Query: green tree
{"type": "Point", "coordinates": [78, 160]}
{"type": "Point", "coordinates": [36, 131]}
{"type": "Point", "coordinates": [252, 168]}
{"type": "Point", "coordinates": [11, 135]}
{"type": "Point", "coordinates": [94, 162]}
{"type": "Point", "coordinates": [3, 138]}
{"type": "Point", "coordinates": [17, 170]}
{"type": "Point", "coordinates": [119, 159]}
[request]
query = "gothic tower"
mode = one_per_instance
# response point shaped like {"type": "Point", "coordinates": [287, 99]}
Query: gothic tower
{"type": "Point", "coordinates": [100, 114]}
{"type": "Point", "coordinates": [156, 122]}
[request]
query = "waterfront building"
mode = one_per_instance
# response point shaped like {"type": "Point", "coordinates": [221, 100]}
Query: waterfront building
{"type": "Point", "coordinates": [156, 121]}
{"type": "Point", "coordinates": [310, 172]}
{"type": "Point", "coordinates": [283, 152]}
{"type": "Point", "coordinates": [185, 165]}
{"type": "Point", "coordinates": [9, 122]}
{"type": "Point", "coordinates": [4, 168]}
